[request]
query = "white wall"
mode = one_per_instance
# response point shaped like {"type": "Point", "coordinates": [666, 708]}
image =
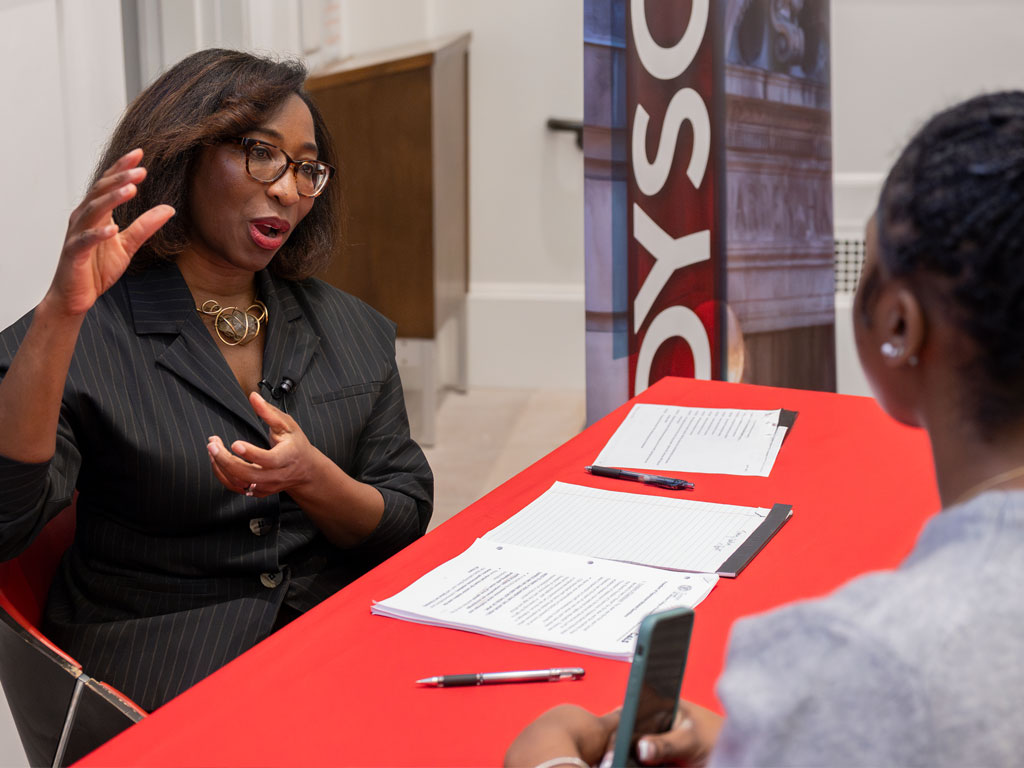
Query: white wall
{"type": "Point", "coordinates": [61, 72]}
{"type": "Point", "coordinates": [526, 190]}
{"type": "Point", "coordinates": [895, 63]}
{"type": "Point", "coordinates": [369, 25]}
{"type": "Point", "coordinates": [525, 306]}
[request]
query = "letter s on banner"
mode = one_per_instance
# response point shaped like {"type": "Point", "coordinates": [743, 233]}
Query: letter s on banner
{"type": "Point", "coordinates": [668, 63]}
{"type": "Point", "coordinates": [674, 321]}
{"type": "Point", "coordinates": [687, 104]}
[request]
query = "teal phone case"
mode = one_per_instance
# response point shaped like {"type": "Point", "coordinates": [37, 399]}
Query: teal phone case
{"type": "Point", "coordinates": [655, 679]}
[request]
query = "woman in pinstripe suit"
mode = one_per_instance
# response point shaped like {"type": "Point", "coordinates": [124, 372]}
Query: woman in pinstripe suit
{"type": "Point", "coordinates": [234, 428]}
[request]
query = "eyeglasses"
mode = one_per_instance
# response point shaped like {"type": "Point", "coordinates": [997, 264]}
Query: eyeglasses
{"type": "Point", "coordinates": [267, 163]}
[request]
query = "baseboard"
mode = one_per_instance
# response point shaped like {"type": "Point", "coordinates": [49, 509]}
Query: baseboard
{"type": "Point", "coordinates": [526, 335]}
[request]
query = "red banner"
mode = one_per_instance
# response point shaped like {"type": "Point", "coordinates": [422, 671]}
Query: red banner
{"type": "Point", "coordinates": [676, 288]}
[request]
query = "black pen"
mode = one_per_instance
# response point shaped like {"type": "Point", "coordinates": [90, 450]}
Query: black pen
{"type": "Point", "coordinates": [490, 678]}
{"type": "Point", "coordinates": [672, 483]}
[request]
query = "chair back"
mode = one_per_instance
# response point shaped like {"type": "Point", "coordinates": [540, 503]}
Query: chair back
{"type": "Point", "coordinates": [25, 581]}
{"type": "Point", "coordinates": [60, 712]}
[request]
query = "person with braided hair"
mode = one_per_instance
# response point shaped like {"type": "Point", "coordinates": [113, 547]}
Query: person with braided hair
{"type": "Point", "coordinates": [921, 665]}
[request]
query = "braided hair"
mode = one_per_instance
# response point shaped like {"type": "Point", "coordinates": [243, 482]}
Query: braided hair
{"type": "Point", "coordinates": [953, 207]}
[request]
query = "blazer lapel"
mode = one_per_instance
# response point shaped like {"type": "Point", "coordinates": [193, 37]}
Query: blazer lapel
{"type": "Point", "coordinates": [291, 341]}
{"type": "Point", "coordinates": [161, 304]}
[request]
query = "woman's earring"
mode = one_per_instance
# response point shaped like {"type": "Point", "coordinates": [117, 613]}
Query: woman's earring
{"type": "Point", "coordinates": [891, 351]}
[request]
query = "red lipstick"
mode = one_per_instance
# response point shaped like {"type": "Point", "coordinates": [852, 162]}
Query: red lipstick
{"type": "Point", "coordinates": [269, 232]}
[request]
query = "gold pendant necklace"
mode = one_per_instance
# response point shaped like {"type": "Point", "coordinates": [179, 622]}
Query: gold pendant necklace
{"type": "Point", "coordinates": [233, 325]}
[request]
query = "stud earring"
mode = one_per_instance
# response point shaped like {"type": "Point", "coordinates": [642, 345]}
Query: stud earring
{"type": "Point", "coordinates": [891, 351]}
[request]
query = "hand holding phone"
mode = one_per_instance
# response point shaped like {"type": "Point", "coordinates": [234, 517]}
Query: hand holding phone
{"type": "Point", "coordinates": [655, 679]}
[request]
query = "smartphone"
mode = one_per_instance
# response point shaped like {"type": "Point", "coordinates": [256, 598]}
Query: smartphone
{"type": "Point", "coordinates": [655, 678]}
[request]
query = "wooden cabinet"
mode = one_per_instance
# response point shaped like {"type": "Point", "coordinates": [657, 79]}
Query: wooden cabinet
{"type": "Point", "coordinates": [399, 119]}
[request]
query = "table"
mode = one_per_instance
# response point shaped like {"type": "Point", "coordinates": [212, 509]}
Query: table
{"type": "Point", "coordinates": [335, 687]}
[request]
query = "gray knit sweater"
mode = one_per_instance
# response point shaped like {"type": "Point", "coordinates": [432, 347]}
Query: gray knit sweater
{"type": "Point", "coordinates": [923, 665]}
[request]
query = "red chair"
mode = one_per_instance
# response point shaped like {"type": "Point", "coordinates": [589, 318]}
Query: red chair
{"type": "Point", "coordinates": [60, 712]}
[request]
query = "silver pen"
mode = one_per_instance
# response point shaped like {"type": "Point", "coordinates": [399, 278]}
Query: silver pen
{"type": "Point", "coordinates": [491, 678]}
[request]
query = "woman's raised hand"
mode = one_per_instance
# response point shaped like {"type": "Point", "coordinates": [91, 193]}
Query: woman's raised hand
{"type": "Point", "coordinates": [96, 252]}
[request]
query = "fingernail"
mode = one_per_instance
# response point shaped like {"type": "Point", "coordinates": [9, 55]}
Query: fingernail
{"type": "Point", "coordinates": [238, 448]}
{"type": "Point", "coordinates": [606, 761]}
{"type": "Point", "coordinates": [645, 751]}
{"type": "Point", "coordinates": [212, 448]}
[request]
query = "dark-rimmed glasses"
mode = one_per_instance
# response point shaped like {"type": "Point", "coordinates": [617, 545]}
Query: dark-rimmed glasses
{"type": "Point", "coordinates": [266, 163]}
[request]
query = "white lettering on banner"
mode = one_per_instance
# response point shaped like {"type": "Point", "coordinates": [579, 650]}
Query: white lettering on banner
{"type": "Point", "coordinates": [687, 104]}
{"type": "Point", "coordinates": [667, 63]}
{"type": "Point", "coordinates": [669, 255]}
{"type": "Point", "coordinates": [674, 322]}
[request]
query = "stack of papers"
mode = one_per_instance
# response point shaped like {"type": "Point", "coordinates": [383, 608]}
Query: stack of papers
{"type": "Point", "coordinates": [571, 602]}
{"type": "Point", "coordinates": [579, 568]}
{"type": "Point", "coordinates": [723, 441]}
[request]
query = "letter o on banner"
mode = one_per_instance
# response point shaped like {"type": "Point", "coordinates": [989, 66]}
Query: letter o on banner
{"type": "Point", "coordinates": [673, 322]}
{"type": "Point", "coordinates": [668, 63]}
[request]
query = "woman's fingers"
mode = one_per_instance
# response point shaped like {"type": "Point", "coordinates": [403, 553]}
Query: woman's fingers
{"type": "Point", "coordinates": [122, 173]}
{"type": "Point", "coordinates": [106, 183]}
{"type": "Point", "coordinates": [124, 162]}
{"type": "Point", "coordinates": [83, 241]}
{"type": "Point", "coordinates": [236, 473]}
{"type": "Point", "coordinates": [228, 482]}
{"type": "Point", "coordinates": [273, 417]}
{"type": "Point", "coordinates": [266, 459]}
{"type": "Point", "coordinates": [140, 230]}
{"type": "Point", "coordinates": [689, 741]}
{"type": "Point", "coordinates": [94, 210]}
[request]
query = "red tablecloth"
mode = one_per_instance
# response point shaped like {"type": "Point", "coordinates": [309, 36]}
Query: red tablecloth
{"type": "Point", "coordinates": [336, 686]}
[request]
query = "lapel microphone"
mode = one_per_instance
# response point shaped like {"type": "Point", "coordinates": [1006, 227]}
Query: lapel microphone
{"type": "Point", "coordinates": [282, 389]}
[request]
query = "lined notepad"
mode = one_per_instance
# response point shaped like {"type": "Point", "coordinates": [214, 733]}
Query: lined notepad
{"type": "Point", "coordinates": [679, 534]}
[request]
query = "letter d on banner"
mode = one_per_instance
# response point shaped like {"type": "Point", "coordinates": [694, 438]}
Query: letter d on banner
{"type": "Point", "coordinates": [681, 322]}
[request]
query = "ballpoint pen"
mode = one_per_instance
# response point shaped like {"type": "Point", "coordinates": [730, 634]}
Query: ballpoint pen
{"type": "Point", "coordinates": [491, 678]}
{"type": "Point", "coordinates": [672, 483]}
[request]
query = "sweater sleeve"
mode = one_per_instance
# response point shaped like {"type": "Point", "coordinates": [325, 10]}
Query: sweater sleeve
{"type": "Point", "coordinates": [805, 687]}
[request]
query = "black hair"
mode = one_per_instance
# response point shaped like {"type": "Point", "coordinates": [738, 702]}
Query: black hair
{"type": "Point", "coordinates": [953, 207]}
{"type": "Point", "coordinates": [205, 98]}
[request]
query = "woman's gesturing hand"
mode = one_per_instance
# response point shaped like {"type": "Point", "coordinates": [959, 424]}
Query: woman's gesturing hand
{"type": "Point", "coordinates": [290, 462]}
{"type": "Point", "coordinates": [96, 252]}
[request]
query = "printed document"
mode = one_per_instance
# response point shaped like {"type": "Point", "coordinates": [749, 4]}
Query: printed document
{"type": "Point", "coordinates": [724, 441]}
{"type": "Point", "coordinates": [573, 602]}
{"type": "Point", "coordinates": [680, 534]}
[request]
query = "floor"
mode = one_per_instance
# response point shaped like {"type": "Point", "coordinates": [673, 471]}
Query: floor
{"type": "Point", "coordinates": [489, 435]}
{"type": "Point", "coordinates": [483, 438]}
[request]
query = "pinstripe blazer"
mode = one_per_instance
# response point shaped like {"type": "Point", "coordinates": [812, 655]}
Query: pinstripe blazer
{"type": "Point", "coordinates": [171, 575]}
